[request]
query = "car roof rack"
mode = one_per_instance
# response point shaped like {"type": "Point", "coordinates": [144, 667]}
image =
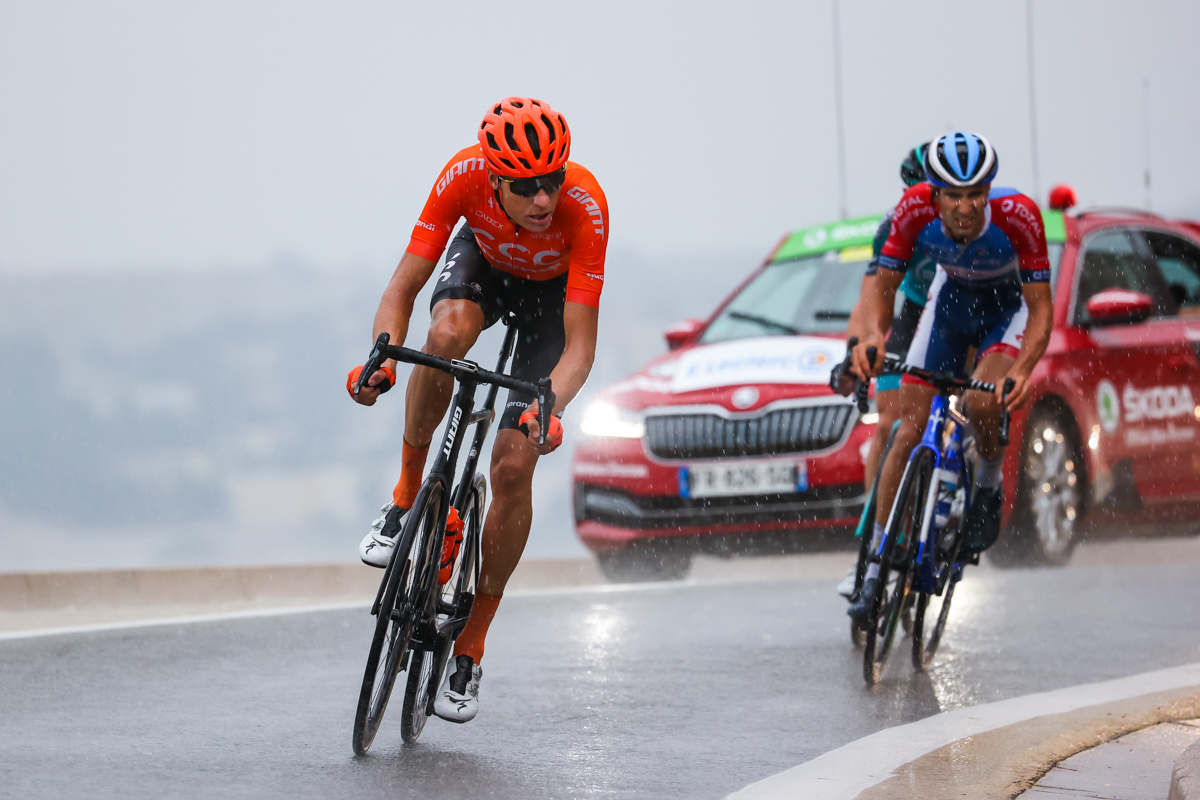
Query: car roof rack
{"type": "Point", "coordinates": [1116, 210]}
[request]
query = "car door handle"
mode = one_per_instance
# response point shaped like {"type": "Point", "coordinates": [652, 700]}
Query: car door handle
{"type": "Point", "coordinates": [1178, 361]}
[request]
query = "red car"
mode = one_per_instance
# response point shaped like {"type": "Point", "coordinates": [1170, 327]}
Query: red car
{"type": "Point", "coordinates": [732, 442]}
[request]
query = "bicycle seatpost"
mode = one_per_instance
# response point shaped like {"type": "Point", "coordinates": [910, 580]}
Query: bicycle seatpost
{"type": "Point", "coordinates": [1005, 417]}
{"type": "Point", "coordinates": [546, 400]}
{"type": "Point", "coordinates": [373, 363]}
{"type": "Point", "coordinates": [864, 386]}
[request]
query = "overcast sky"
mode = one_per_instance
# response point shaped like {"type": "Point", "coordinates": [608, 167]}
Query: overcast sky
{"type": "Point", "coordinates": [173, 135]}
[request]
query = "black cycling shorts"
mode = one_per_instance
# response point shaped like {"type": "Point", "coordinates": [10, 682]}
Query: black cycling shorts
{"type": "Point", "coordinates": [538, 306]}
{"type": "Point", "coordinates": [903, 327]}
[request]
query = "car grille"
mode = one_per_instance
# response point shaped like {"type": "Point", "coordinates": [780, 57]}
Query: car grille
{"type": "Point", "coordinates": [785, 430]}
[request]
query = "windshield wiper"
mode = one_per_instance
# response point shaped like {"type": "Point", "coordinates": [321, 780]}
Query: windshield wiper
{"type": "Point", "coordinates": [765, 322]}
{"type": "Point", "coordinates": [827, 314]}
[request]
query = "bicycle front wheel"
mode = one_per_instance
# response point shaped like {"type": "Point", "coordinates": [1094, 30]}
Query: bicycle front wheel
{"type": "Point", "coordinates": [933, 608]}
{"type": "Point", "coordinates": [399, 611]}
{"type": "Point", "coordinates": [455, 598]}
{"type": "Point", "coordinates": [896, 568]}
{"type": "Point", "coordinates": [936, 609]}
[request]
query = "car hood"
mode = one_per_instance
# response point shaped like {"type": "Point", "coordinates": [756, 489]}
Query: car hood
{"type": "Point", "coordinates": [739, 375]}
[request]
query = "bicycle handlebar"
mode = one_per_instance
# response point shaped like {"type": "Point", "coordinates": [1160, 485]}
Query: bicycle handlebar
{"type": "Point", "coordinates": [461, 370]}
{"type": "Point", "coordinates": [943, 381]}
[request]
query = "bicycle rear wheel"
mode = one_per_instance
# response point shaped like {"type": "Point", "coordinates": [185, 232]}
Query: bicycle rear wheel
{"type": "Point", "coordinates": [399, 611]}
{"type": "Point", "coordinates": [455, 598]}
{"type": "Point", "coordinates": [896, 567]}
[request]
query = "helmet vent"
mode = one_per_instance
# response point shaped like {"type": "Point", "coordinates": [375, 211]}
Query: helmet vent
{"type": "Point", "coordinates": [531, 136]}
{"type": "Point", "coordinates": [523, 138]}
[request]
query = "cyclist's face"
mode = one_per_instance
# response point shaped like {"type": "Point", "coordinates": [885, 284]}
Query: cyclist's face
{"type": "Point", "coordinates": [532, 213]}
{"type": "Point", "coordinates": [963, 210]}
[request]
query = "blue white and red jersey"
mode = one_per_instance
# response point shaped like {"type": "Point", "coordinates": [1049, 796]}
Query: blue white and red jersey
{"type": "Point", "coordinates": [1011, 248]}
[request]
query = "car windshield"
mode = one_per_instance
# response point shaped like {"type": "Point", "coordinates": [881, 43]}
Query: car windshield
{"type": "Point", "coordinates": [809, 295]}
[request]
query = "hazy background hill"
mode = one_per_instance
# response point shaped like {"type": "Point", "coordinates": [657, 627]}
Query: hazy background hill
{"type": "Point", "coordinates": [158, 418]}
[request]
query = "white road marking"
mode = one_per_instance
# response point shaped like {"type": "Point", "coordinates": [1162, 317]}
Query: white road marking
{"type": "Point", "coordinates": [602, 588]}
{"type": "Point", "coordinates": [150, 623]}
{"type": "Point", "coordinates": [846, 772]}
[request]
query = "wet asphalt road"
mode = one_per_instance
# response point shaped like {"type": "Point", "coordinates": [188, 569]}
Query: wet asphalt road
{"type": "Point", "coordinates": [688, 691]}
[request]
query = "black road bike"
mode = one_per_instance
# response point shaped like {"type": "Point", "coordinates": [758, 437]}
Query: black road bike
{"type": "Point", "coordinates": [417, 618]}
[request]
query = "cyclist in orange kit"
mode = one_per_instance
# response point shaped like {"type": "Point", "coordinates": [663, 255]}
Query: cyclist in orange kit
{"type": "Point", "coordinates": [533, 245]}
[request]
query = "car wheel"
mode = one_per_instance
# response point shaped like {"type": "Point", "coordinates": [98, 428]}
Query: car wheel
{"type": "Point", "coordinates": [638, 564]}
{"type": "Point", "coordinates": [1050, 494]}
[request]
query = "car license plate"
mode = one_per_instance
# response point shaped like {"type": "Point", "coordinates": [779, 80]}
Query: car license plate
{"type": "Point", "coordinates": [747, 478]}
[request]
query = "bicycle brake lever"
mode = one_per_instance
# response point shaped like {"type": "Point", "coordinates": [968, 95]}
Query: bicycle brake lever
{"type": "Point", "coordinates": [835, 374]}
{"type": "Point", "coordinates": [1005, 416]}
{"type": "Point", "coordinates": [546, 400]}
{"type": "Point", "coordinates": [864, 386]}
{"type": "Point", "coordinates": [373, 362]}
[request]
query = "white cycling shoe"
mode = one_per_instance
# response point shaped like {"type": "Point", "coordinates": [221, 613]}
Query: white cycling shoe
{"type": "Point", "coordinates": [846, 587]}
{"type": "Point", "coordinates": [375, 549]}
{"type": "Point", "coordinates": [458, 699]}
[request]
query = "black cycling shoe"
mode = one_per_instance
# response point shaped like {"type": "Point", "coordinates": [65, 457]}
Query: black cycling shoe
{"type": "Point", "coordinates": [860, 603]}
{"type": "Point", "coordinates": [981, 528]}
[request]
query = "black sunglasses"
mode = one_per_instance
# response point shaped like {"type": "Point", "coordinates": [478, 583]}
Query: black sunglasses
{"type": "Point", "coordinates": [529, 187]}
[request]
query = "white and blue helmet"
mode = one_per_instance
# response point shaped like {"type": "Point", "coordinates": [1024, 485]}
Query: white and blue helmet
{"type": "Point", "coordinates": [960, 159]}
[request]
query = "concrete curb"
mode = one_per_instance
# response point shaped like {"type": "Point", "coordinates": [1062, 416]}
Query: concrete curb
{"type": "Point", "coordinates": [1185, 778]}
{"type": "Point", "coordinates": [993, 751]}
{"type": "Point", "coordinates": [1006, 762]}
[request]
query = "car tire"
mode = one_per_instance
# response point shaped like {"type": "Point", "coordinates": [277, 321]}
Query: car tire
{"type": "Point", "coordinates": [640, 564]}
{"type": "Point", "coordinates": [1050, 494]}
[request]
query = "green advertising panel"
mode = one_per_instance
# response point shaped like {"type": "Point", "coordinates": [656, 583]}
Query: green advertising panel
{"type": "Point", "coordinates": [831, 236]}
{"type": "Point", "coordinates": [1056, 229]}
{"type": "Point", "coordinates": [818, 239]}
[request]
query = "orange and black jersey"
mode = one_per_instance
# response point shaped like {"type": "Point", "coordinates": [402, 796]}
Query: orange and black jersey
{"type": "Point", "coordinates": [575, 242]}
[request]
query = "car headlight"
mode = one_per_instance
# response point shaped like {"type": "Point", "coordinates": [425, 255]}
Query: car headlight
{"type": "Point", "coordinates": [605, 419]}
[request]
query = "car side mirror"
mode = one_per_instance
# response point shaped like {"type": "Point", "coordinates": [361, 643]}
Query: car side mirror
{"type": "Point", "coordinates": [1117, 306]}
{"type": "Point", "coordinates": [681, 333]}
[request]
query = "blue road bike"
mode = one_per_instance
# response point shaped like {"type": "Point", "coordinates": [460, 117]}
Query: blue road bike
{"type": "Point", "coordinates": [921, 557]}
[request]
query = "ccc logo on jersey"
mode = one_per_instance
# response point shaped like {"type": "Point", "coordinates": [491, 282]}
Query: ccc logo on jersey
{"type": "Point", "coordinates": [515, 253]}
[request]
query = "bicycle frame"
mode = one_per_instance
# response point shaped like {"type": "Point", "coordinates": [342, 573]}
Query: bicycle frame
{"type": "Point", "coordinates": [943, 450]}
{"type": "Point", "coordinates": [463, 414]}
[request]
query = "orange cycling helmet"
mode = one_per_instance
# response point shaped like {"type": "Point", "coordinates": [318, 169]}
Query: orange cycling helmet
{"type": "Point", "coordinates": [524, 138]}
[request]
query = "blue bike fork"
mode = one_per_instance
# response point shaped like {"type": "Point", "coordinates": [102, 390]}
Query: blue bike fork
{"type": "Point", "coordinates": [930, 441]}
